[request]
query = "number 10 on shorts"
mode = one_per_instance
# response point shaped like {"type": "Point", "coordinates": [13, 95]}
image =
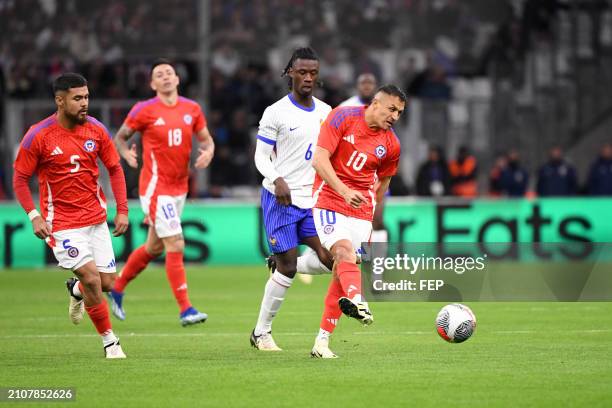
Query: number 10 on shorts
{"type": "Point", "coordinates": [330, 217]}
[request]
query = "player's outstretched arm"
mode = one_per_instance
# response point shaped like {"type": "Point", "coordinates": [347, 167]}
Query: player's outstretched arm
{"type": "Point", "coordinates": [128, 153]}
{"type": "Point", "coordinates": [324, 168]}
{"type": "Point", "coordinates": [24, 196]}
{"type": "Point", "coordinates": [206, 148]}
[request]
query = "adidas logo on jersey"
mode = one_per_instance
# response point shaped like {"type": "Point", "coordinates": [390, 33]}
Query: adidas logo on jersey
{"type": "Point", "coordinates": [159, 122]}
{"type": "Point", "coordinates": [56, 151]}
{"type": "Point", "coordinates": [350, 138]}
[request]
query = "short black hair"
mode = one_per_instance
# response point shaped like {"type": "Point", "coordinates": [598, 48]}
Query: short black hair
{"type": "Point", "coordinates": [393, 90]}
{"type": "Point", "coordinates": [299, 53]}
{"type": "Point", "coordinates": [161, 61]}
{"type": "Point", "coordinates": [68, 80]}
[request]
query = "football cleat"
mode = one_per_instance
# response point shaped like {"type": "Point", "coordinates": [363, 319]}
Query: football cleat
{"type": "Point", "coordinates": [264, 342]}
{"type": "Point", "coordinates": [356, 310]}
{"type": "Point", "coordinates": [321, 349]}
{"type": "Point", "coordinates": [116, 300]}
{"type": "Point", "coordinates": [114, 350]}
{"type": "Point", "coordinates": [76, 307]}
{"type": "Point", "coordinates": [192, 316]}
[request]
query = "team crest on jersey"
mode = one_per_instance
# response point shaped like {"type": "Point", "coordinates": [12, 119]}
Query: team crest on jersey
{"type": "Point", "coordinates": [328, 229]}
{"type": "Point", "coordinates": [272, 241]}
{"type": "Point", "coordinates": [188, 119]}
{"type": "Point", "coordinates": [380, 151]}
{"type": "Point", "coordinates": [89, 145]}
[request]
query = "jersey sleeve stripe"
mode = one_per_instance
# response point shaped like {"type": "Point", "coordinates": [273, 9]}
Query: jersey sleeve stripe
{"type": "Point", "coordinates": [29, 137]}
{"type": "Point", "coordinates": [99, 124]}
{"type": "Point", "coordinates": [266, 140]}
{"type": "Point", "coordinates": [343, 113]}
{"type": "Point", "coordinates": [140, 105]}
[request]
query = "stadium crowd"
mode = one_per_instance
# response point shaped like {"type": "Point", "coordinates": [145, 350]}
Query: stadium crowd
{"type": "Point", "coordinates": [112, 44]}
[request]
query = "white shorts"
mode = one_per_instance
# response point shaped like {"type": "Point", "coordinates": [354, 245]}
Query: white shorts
{"type": "Point", "coordinates": [333, 226]}
{"type": "Point", "coordinates": [73, 248]}
{"type": "Point", "coordinates": [163, 212]}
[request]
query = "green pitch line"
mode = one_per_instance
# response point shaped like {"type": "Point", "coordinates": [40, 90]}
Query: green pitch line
{"type": "Point", "coordinates": [522, 354]}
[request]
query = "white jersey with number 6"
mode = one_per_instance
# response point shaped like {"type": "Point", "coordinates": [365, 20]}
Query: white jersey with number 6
{"type": "Point", "coordinates": [293, 130]}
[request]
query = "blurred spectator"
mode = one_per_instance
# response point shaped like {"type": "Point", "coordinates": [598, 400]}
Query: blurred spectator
{"type": "Point", "coordinates": [600, 176]}
{"type": "Point", "coordinates": [366, 88]}
{"type": "Point", "coordinates": [430, 84]}
{"type": "Point", "coordinates": [495, 188]}
{"type": "Point", "coordinates": [463, 172]}
{"type": "Point", "coordinates": [514, 178]}
{"type": "Point", "coordinates": [433, 178]}
{"type": "Point", "coordinates": [557, 177]}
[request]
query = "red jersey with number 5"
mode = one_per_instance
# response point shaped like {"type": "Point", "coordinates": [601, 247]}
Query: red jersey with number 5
{"type": "Point", "coordinates": [65, 161]}
{"type": "Point", "coordinates": [359, 155]}
{"type": "Point", "coordinates": [166, 140]}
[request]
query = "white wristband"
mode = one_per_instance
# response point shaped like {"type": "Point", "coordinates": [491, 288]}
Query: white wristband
{"type": "Point", "coordinates": [33, 214]}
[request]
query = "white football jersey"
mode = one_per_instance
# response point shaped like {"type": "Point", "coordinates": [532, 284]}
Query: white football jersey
{"type": "Point", "coordinates": [293, 130]}
{"type": "Point", "coordinates": [353, 101]}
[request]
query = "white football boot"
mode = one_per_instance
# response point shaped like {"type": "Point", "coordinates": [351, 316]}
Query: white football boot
{"type": "Point", "coordinates": [356, 310]}
{"type": "Point", "coordinates": [321, 349]}
{"type": "Point", "coordinates": [264, 342]}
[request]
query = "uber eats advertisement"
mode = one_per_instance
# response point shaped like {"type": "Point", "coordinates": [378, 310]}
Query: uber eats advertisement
{"type": "Point", "coordinates": [213, 231]}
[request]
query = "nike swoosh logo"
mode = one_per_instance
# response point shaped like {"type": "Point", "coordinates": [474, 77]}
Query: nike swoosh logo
{"type": "Point", "coordinates": [292, 129]}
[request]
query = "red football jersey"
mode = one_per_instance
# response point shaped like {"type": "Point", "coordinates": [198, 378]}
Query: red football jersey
{"type": "Point", "coordinates": [359, 155]}
{"type": "Point", "coordinates": [65, 162]}
{"type": "Point", "coordinates": [166, 139]}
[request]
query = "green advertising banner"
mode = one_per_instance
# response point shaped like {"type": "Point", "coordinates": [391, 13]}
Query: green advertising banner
{"type": "Point", "coordinates": [222, 232]}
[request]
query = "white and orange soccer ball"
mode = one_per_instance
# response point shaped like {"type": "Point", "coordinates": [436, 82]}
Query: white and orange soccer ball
{"type": "Point", "coordinates": [456, 323]}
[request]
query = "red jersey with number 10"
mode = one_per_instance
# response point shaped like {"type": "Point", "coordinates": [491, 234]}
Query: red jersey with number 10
{"type": "Point", "coordinates": [359, 155]}
{"type": "Point", "coordinates": [65, 161]}
{"type": "Point", "coordinates": [166, 140]}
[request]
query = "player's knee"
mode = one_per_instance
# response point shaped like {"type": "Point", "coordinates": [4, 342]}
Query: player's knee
{"type": "Point", "coordinates": [108, 281]}
{"type": "Point", "coordinates": [91, 281]}
{"type": "Point", "coordinates": [155, 250]}
{"type": "Point", "coordinates": [344, 254]}
{"type": "Point", "coordinates": [286, 267]}
{"type": "Point", "coordinates": [174, 244]}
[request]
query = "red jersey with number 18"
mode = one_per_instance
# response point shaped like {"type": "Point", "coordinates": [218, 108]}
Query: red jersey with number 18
{"type": "Point", "coordinates": [166, 139]}
{"type": "Point", "coordinates": [359, 155]}
{"type": "Point", "coordinates": [65, 161]}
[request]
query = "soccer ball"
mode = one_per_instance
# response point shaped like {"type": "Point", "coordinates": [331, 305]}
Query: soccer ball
{"type": "Point", "coordinates": [456, 323]}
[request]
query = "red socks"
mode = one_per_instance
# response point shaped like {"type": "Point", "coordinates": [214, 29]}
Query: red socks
{"type": "Point", "coordinates": [332, 311]}
{"type": "Point", "coordinates": [350, 278]}
{"type": "Point", "coordinates": [100, 317]}
{"type": "Point", "coordinates": [137, 261]}
{"type": "Point", "coordinates": [175, 271]}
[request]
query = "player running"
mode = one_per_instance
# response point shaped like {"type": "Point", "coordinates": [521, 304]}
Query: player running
{"type": "Point", "coordinates": [166, 123]}
{"type": "Point", "coordinates": [287, 135]}
{"type": "Point", "coordinates": [366, 88]}
{"type": "Point", "coordinates": [357, 149]}
{"type": "Point", "coordinates": [62, 150]}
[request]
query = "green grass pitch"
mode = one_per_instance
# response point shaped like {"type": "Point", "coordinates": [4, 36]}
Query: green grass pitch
{"type": "Point", "coordinates": [522, 354]}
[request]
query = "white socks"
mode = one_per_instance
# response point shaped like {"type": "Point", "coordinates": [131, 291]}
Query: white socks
{"type": "Point", "coordinates": [323, 335]}
{"type": "Point", "coordinates": [309, 263]}
{"type": "Point", "coordinates": [274, 294]}
{"type": "Point", "coordinates": [108, 338]}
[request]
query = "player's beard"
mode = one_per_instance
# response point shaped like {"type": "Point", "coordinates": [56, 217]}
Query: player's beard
{"type": "Point", "coordinates": [77, 118]}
